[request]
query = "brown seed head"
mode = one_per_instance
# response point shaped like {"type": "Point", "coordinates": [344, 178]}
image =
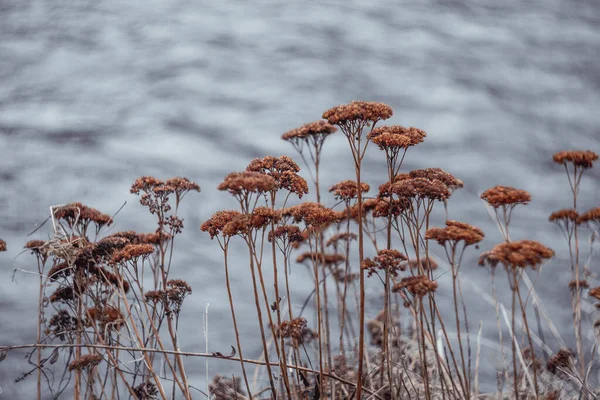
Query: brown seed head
{"type": "Point", "coordinates": [222, 388]}
{"type": "Point", "coordinates": [396, 136]}
{"type": "Point", "coordinates": [263, 216]}
{"type": "Point", "coordinates": [455, 232]}
{"type": "Point", "coordinates": [215, 224]}
{"type": "Point", "coordinates": [78, 212]}
{"type": "Point", "coordinates": [503, 196]}
{"type": "Point", "coordinates": [423, 188]}
{"type": "Point", "coordinates": [146, 391]}
{"type": "Point", "coordinates": [283, 170]}
{"type": "Point", "coordinates": [344, 236]}
{"type": "Point", "coordinates": [181, 185]}
{"type": "Point", "coordinates": [2, 245]}
{"type": "Point", "coordinates": [386, 260]}
{"type": "Point", "coordinates": [438, 174]}
{"type": "Point", "coordinates": [562, 360]}
{"type": "Point", "coordinates": [387, 207]}
{"type": "Point", "coordinates": [584, 159]}
{"type": "Point", "coordinates": [238, 225]}
{"type": "Point", "coordinates": [564, 215]}
{"type": "Point", "coordinates": [519, 254]}
{"type": "Point", "coordinates": [64, 294]}
{"type": "Point", "coordinates": [132, 252]}
{"type": "Point", "coordinates": [348, 190]}
{"type": "Point", "coordinates": [418, 285]}
{"type": "Point", "coordinates": [87, 362]}
{"type": "Point", "coordinates": [358, 111]}
{"type": "Point", "coordinates": [145, 184]}
{"type": "Point", "coordinates": [587, 217]}
{"type": "Point", "coordinates": [426, 263]}
{"type": "Point", "coordinates": [317, 128]}
{"type": "Point", "coordinates": [328, 259]}
{"type": "Point", "coordinates": [595, 293]}
{"type": "Point", "coordinates": [288, 234]}
{"type": "Point", "coordinates": [583, 284]}
{"type": "Point", "coordinates": [238, 183]}
{"type": "Point", "coordinates": [314, 215]}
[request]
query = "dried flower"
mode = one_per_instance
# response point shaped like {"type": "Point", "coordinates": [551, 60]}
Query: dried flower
{"type": "Point", "coordinates": [344, 236]}
{"type": "Point", "coordinates": [327, 259]}
{"type": "Point", "coordinates": [317, 128]}
{"type": "Point", "coordinates": [418, 285]}
{"type": "Point", "coordinates": [595, 293]}
{"type": "Point", "coordinates": [386, 260]}
{"type": "Point", "coordinates": [60, 270]}
{"type": "Point", "coordinates": [519, 254]}
{"type": "Point", "coordinates": [387, 207]}
{"type": "Point", "coordinates": [421, 188]}
{"type": "Point", "coordinates": [283, 170]}
{"type": "Point", "coordinates": [348, 190]}
{"type": "Point", "coordinates": [396, 136]}
{"type": "Point", "coordinates": [215, 224]}
{"type": "Point", "coordinates": [155, 296]}
{"type": "Point", "coordinates": [584, 159]}
{"type": "Point", "coordinates": [78, 213]}
{"type": "Point", "coordinates": [2, 245]}
{"type": "Point", "coordinates": [145, 184]}
{"type": "Point", "coordinates": [146, 391]}
{"type": "Point", "coordinates": [62, 323]}
{"type": "Point", "coordinates": [314, 215]}
{"type": "Point", "coordinates": [263, 216]}
{"type": "Point", "coordinates": [567, 214]}
{"type": "Point", "coordinates": [177, 291]}
{"type": "Point", "coordinates": [455, 232]}
{"type": "Point", "coordinates": [425, 263]}
{"type": "Point", "coordinates": [590, 216]}
{"type": "Point", "coordinates": [287, 234]}
{"type": "Point", "coordinates": [180, 186]}
{"type": "Point", "coordinates": [358, 111]}
{"type": "Point", "coordinates": [239, 183]}
{"type": "Point", "coordinates": [439, 174]}
{"type": "Point", "coordinates": [505, 196]}
{"type": "Point", "coordinates": [87, 361]}
{"type": "Point", "coordinates": [583, 284]}
{"type": "Point", "coordinates": [561, 360]}
{"type": "Point", "coordinates": [132, 252]}
{"type": "Point", "coordinates": [64, 294]}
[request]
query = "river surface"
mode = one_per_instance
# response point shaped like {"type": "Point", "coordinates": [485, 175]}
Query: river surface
{"type": "Point", "coordinates": [96, 94]}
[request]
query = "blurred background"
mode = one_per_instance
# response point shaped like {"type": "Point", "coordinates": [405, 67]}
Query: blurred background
{"type": "Point", "coordinates": [96, 94]}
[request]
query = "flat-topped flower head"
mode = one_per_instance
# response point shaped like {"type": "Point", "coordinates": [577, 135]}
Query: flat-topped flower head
{"type": "Point", "coordinates": [284, 170]}
{"type": "Point", "coordinates": [77, 212]}
{"type": "Point", "coordinates": [145, 184]}
{"type": "Point", "coordinates": [348, 190]}
{"type": "Point", "coordinates": [519, 254]}
{"type": "Point", "coordinates": [367, 111]}
{"type": "Point", "coordinates": [85, 362]}
{"type": "Point", "coordinates": [424, 263]}
{"type": "Point", "coordinates": [438, 174]}
{"type": "Point", "coordinates": [418, 285]}
{"type": "Point", "coordinates": [396, 136]}
{"type": "Point", "coordinates": [328, 259]}
{"type": "Point", "coordinates": [263, 216]}
{"type": "Point", "coordinates": [132, 252]}
{"type": "Point", "coordinates": [180, 186]}
{"type": "Point", "coordinates": [590, 216]}
{"type": "Point", "coordinates": [215, 224]}
{"type": "Point", "coordinates": [560, 361]}
{"type": "Point", "coordinates": [564, 215]}
{"type": "Point", "coordinates": [505, 196]}
{"type": "Point", "coordinates": [318, 128]}
{"type": "Point", "coordinates": [580, 158]}
{"type": "Point", "coordinates": [421, 188]}
{"type": "Point", "coordinates": [2, 245]}
{"type": "Point", "coordinates": [287, 233]}
{"type": "Point", "coordinates": [238, 183]}
{"type": "Point", "coordinates": [387, 207]}
{"type": "Point", "coordinates": [386, 260]}
{"type": "Point", "coordinates": [314, 215]}
{"type": "Point", "coordinates": [455, 232]}
{"type": "Point", "coordinates": [341, 237]}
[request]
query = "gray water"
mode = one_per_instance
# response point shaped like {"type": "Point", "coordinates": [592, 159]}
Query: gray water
{"type": "Point", "coordinates": [95, 94]}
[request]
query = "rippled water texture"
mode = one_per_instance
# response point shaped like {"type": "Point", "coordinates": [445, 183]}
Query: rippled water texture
{"type": "Point", "coordinates": [95, 94]}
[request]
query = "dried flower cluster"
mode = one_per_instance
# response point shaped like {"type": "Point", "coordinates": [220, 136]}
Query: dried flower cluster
{"type": "Point", "coordinates": [314, 215]}
{"type": "Point", "coordinates": [326, 259]}
{"type": "Point", "coordinates": [358, 110]}
{"type": "Point", "coordinates": [425, 262]}
{"type": "Point", "coordinates": [240, 183]}
{"type": "Point", "coordinates": [146, 391]}
{"type": "Point", "coordinates": [348, 190]}
{"type": "Point", "coordinates": [283, 170]}
{"type": "Point", "coordinates": [519, 254]}
{"type": "Point", "coordinates": [297, 330]}
{"type": "Point", "coordinates": [418, 285]}
{"type": "Point", "coordinates": [595, 293]}
{"type": "Point", "coordinates": [287, 234]}
{"type": "Point", "coordinates": [560, 361]}
{"type": "Point", "coordinates": [87, 361]}
{"type": "Point", "coordinates": [505, 196]}
{"type": "Point", "coordinates": [584, 158]}
{"type": "Point", "coordinates": [341, 237]}
{"type": "Point", "coordinates": [2, 245]}
{"type": "Point", "coordinates": [590, 216]}
{"type": "Point", "coordinates": [132, 252]}
{"type": "Point", "coordinates": [61, 324]}
{"type": "Point", "coordinates": [439, 174]}
{"type": "Point", "coordinates": [78, 213]}
{"type": "Point", "coordinates": [420, 188]}
{"type": "Point", "coordinates": [215, 224]}
{"type": "Point", "coordinates": [455, 232]}
{"type": "Point", "coordinates": [396, 136]}
{"type": "Point", "coordinates": [386, 260]}
{"type": "Point", "coordinates": [317, 128]}
{"type": "Point", "coordinates": [564, 216]}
